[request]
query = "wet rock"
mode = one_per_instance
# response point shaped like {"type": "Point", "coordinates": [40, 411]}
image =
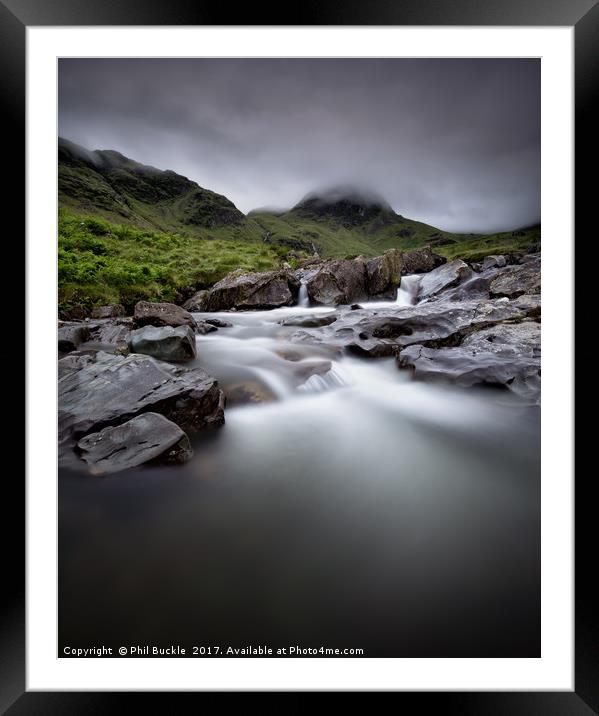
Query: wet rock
{"type": "Point", "coordinates": [71, 336]}
{"type": "Point", "coordinates": [443, 277]}
{"type": "Point", "coordinates": [421, 261]}
{"type": "Point", "coordinates": [197, 303]}
{"type": "Point", "coordinates": [102, 389]}
{"type": "Point", "coordinates": [111, 332]}
{"type": "Point", "coordinates": [337, 282]}
{"type": "Point", "coordinates": [383, 274]}
{"type": "Point", "coordinates": [381, 332]}
{"type": "Point", "coordinates": [246, 291]}
{"type": "Point", "coordinates": [164, 343]}
{"type": "Point", "coordinates": [161, 314]}
{"type": "Point", "coordinates": [250, 392]}
{"type": "Point", "coordinates": [309, 321]}
{"type": "Point", "coordinates": [203, 327]}
{"type": "Point", "coordinates": [505, 355]}
{"type": "Point", "coordinates": [493, 261]}
{"type": "Point", "coordinates": [518, 280]}
{"type": "Point", "coordinates": [355, 307]}
{"type": "Point", "coordinates": [217, 323]}
{"type": "Point", "coordinates": [146, 438]}
{"type": "Point", "coordinates": [113, 310]}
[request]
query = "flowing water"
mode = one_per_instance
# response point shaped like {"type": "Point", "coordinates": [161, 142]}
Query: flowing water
{"type": "Point", "coordinates": [341, 505]}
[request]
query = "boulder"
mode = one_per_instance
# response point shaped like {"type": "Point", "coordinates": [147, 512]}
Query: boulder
{"type": "Point", "coordinates": [111, 332]}
{"type": "Point", "coordinates": [70, 336]}
{"type": "Point", "coordinates": [113, 310]}
{"type": "Point", "coordinates": [146, 438]}
{"type": "Point", "coordinates": [203, 327]}
{"type": "Point", "coordinates": [443, 277]}
{"type": "Point", "coordinates": [246, 291]}
{"type": "Point", "coordinates": [493, 261]}
{"type": "Point", "coordinates": [517, 280]}
{"type": "Point", "coordinates": [309, 321]}
{"type": "Point", "coordinates": [421, 261]}
{"type": "Point", "coordinates": [505, 355]}
{"type": "Point", "coordinates": [165, 343]}
{"type": "Point", "coordinates": [161, 314]}
{"type": "Point", "coordinates": [197, 303]}
{"type": "Point", "coordinates": [100, 389]}
{"type": "Point", "coordinates": [337, 281]}
{"type": "Point", "coordinates": [217, 323]}
{"type": "Point", "coordinates": [383, 274]}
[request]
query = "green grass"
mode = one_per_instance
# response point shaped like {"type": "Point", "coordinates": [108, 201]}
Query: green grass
{"type": "Point", "coordinates": [101, 262]}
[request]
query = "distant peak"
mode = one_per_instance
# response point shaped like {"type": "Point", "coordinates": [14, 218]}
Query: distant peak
{"type": "Point", "coordinates": [345, 194]}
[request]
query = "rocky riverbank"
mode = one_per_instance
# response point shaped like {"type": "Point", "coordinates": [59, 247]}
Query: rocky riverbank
{"type": "Point", "coordinates": [130, 389]}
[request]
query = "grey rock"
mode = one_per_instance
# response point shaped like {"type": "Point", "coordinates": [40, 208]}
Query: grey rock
{"type": "Point", "coordinates": [246, 291]}
{"type": "Point", "coordinates": [381, 332]}
{"type": "Point", "coordinates": [161, 314]}
{"type": "Point", "coordinates": [518, 280]}
{"type": "Point", "coordinates": [217, 323]}
{"type": "Point", "coordinates": [505, 355]}
{"type": "Point", "coordinates": [383, 274]}
{"type": "Point", "coordinates": [337, 282]}
{"type": "Point", "coordinates": [493, 261]}
{"type": "Point", "coordinates": [71, 336]}
{"type": "Point", "coordinates": [313, 321]}
{"type": "Point", "coordinates": [203, 327]}
{"type": "Point", "coordinates": [443, 277]}
{"type": "Point", "coordinates": [421, 261]}
{"type": "Point", "coordinates": [165, 343]}
{"type": "Point", "coordinates": [197, 302]}
{"type": "Point", "coordinates": [101, 389]}
{"type": "Point", "coordinates": [145, 438]}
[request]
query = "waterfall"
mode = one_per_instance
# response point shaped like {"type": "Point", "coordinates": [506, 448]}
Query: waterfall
{"type": "Point", "coordinates": [407, 293]}
{"type": "Point", "coordinates": [302, 299]}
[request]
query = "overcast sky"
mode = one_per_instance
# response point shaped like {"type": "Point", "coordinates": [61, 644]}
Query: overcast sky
{"type": "Point", "coordinates": [454, 143]}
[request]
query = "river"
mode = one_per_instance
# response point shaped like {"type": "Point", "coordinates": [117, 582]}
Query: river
{"type": "Point", "coordinates": [351, 507]}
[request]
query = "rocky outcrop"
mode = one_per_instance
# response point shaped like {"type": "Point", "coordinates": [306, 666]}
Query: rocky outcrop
{"type": "Point", "coordinates": [434, 324]}
{"type": "Point", "coordinates": [161, 314]}
{"type": "Point", "coordinates": [165, 343]}
{"type": "Point", "coordinates": [98, 390]}
{"type": "Point", "coordinates": [383, 274]}
{"type": "Point", "coordinates": [421, 261]}
{"type": "Point", "coordinates": [71, 336]}
{"type": "Point", "coordinates": [518, 280]}
{"type": "Point", "coordinates": [338, 281]}
{"type": "Point", "coordinates": [146, 438]}
{"type": "Point", "coordinates": [507, 355]}
{"type": "Point", "coordinates": [443, 277]}
{"type": "Point", "coordinates": [113, 310]}
{"type": "Point", "coordinates": [112, 332]}
{"type": "Point", "coordinates": [493, 261]}
{"type": "Point", "coordinates": [197, 303]}
{"type": "Point", "coordinates": [245, 291]}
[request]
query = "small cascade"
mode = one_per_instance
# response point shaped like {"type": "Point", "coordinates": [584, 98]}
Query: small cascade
{"type": "Point", "coordinates": [302, 299]}
{"type": "Point", "coordinates": [333, 378]}
{"type": "Point", "coordinates": [407, 293]}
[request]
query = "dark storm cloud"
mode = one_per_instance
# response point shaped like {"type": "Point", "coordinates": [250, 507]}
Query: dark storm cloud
{"type": "Point", "coordinates": [455, 143]}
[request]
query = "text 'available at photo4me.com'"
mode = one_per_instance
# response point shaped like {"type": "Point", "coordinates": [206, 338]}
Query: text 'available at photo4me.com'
{"type": "Point", "coordinates": [195, 650]}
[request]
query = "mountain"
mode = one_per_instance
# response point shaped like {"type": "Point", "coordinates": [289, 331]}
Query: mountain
{"type": "Point", "coordinates": [335, 222]}
{"type": "Point", "coordinates": [107, 183]}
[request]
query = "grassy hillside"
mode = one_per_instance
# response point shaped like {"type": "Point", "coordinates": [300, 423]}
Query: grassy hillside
{"type": "Point", "coordinates": [100, 262]}
{"type": "Point", "coordinates": [332, 239]}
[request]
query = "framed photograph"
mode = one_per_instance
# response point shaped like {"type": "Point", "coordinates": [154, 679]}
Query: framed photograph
{"type": "Point", "coordinates": [288, 430]}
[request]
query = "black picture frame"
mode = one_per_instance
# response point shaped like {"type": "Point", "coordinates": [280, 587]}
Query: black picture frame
{"type": "Point", "coordinates": [15, 16]}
